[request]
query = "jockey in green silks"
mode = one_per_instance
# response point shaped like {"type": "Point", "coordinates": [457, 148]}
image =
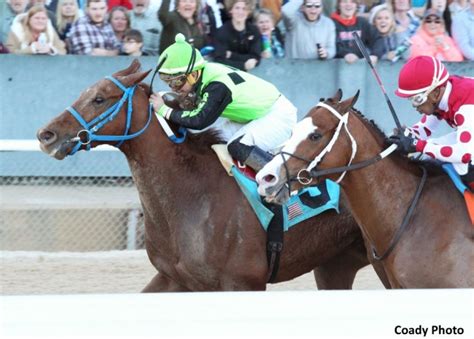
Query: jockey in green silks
{"type": "Point", "coordinates": [250, 113]}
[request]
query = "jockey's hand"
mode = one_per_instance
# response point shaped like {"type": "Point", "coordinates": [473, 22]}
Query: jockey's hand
{"type": "Point", "coordinates": [157, 101]}
{"type": "Point", "coordinates": [405, 144]}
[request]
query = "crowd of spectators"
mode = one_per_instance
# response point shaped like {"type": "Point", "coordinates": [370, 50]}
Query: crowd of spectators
{"type": "Point", "coordinates": [240, 33]}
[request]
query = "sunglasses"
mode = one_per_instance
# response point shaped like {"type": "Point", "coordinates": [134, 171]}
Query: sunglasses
{"type": "Point", "coordinates": [312, 6]}
{"type": "Point", "coordinates": [176, 82]}
{"type": "Point", "coordinates": [436, 21]}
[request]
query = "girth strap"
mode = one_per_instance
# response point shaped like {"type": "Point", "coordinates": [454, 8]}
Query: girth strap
{"type": "Point", "coordinates": [274, 240]}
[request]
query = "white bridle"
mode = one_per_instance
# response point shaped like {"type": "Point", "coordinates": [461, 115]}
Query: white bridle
{"type": "Point", "coordinates": [343, 120]}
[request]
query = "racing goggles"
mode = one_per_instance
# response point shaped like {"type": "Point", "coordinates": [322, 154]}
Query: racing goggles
{"type": "Point", "coordinates": [174, 82]}
{"type": "Point", "coordinates": [419, 99]}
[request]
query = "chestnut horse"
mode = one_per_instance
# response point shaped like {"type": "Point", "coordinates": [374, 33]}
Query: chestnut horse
{"type": "Point", "coordinates": [201, 233]}
{"type": "Point", "coordinates": [436, 247]}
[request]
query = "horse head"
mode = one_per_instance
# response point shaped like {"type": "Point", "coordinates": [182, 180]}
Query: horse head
{"type": "Point", "coordinates": [103, 113]}
{"type": "Point", "coordinates": [317, 140]}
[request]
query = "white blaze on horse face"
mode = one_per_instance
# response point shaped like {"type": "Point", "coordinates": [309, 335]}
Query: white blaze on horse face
{"type": "Point", "coordinates": [300, 133]}
{"type": "Point", "coordinates": [269, 175]}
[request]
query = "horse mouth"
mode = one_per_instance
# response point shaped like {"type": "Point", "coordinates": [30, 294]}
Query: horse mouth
{"type": "Point", "coordinates": [277, 194]}
{"type": "Point", "coordinates": [58, 150]}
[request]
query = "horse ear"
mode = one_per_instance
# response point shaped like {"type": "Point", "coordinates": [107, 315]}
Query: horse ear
{"type": "Point", "coordinates": [346, 105]}
{"type": "Point", "coordinates": [134, 78]}
{"type": "Point", "coordinates": [134, 67]}
{"type": "Point", "coordinates": [337, 97]}
{"type": "Point", "coordinates": [354, 99]}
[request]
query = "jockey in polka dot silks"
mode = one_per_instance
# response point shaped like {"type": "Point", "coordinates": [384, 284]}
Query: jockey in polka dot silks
{"type": "Point", "coordinates": [250, 113]}
{"type": "Point", "coordinates": [439, 97]}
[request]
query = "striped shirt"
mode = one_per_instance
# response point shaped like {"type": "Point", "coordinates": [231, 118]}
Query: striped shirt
{"type": "Point", "coordinates": [86, 35]}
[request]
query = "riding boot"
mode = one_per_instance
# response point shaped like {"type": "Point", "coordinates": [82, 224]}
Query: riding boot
{"type": "Point", "coordinates": [252, 156]}
{"type": "Point", "coordinates": [258, 158]}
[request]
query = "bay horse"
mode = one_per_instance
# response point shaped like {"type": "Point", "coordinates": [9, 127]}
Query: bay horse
{"type": "Point", "coordinates": [200, 232]}
{"type": "Point", "coordinates": [435, 250]}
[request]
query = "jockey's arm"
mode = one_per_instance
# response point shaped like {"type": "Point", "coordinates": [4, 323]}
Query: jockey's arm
{"type": "Point", "coordinates": [425, 127]}
{"type": "Point", "coordinates": [215, 98]}
{"type": "Point", "coordinates": [462, 149]}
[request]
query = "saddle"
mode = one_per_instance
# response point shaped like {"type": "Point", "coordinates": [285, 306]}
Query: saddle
{"type": "Point", "coordinates": [466, 191]}
{"type": "Point", "coordinates": [276, 219]}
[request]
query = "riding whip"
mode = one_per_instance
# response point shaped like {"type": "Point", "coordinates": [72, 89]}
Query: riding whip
{"type": "Point", "coordinates": [156, 71]}
{"type": "Point", "coordinates": [363, 50]}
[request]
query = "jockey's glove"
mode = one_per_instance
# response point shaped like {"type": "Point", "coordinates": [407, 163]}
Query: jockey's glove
{"type": "Point", "coordinates": [165, 111]}
{"type": "Point", "coordinates": [405, 143]}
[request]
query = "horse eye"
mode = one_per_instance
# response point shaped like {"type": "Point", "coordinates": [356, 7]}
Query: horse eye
{"type": "Point", "coordinates": [99, 100]}
{"type": "Point", "coordinates": [314, 136]}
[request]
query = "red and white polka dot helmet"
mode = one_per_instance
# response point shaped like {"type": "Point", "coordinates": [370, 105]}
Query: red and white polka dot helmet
{"type": "Point", "coordinates": [421, 74]}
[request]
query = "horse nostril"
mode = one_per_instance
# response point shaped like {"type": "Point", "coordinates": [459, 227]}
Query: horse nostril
{"type": "Point", "coordinates": [46, 137]}
{"type": "Point", "coordinates": [269, 178]}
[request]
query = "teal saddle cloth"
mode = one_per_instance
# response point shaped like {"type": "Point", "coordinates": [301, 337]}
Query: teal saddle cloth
{"type": "Point", "coordinates": [308, 203]}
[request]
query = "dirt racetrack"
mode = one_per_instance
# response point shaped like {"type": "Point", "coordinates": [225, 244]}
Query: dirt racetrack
{"type": "Point", "coordinates": [107, 272]}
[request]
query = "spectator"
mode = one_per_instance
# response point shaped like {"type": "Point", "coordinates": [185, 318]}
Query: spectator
{"type": "Point", "coordinates": [133, 43]}
{"type": "Point", "coordinates": [92, 34]}
{"type": "Point", "coordinates": [457, 6]}
{"type": "Point", "coordinates": [143, 18]}
{"type": "Point", "coordinates": [33, 33]}
{"type": "Point", "coordinates": [51, 15]}
{"type": "Point", "coordinates": [381, 17]}
{"type": "Point", "coordinates": [463, 31]}
{"type": "Point", "coordinates": [407, 22]}
{"type": "Point", "coordinates": [346, 23]}
{"type": "Point", "coordinates": [272, 39]}
{"type": "Point", "coordinates": [52, 5]}
{"type": "Point", "coordinates": [120, 21]}
{"type": "Point", "coordinates": [119, 3]}
{"type": "Point", "coordinates": [12, 9]}
{"type": "Point", "coordinates": [307, 28]}
{"type": "Point", "coordinates": [183, 19]}
{"type": "Point", "coordinates": [442, 7]}
{"type": "Point", "coordinates": [67, 13]}
{"type": "Point", "coordinates": [432, 40]}
{"type": "Point", "coordinates": [238, 42]}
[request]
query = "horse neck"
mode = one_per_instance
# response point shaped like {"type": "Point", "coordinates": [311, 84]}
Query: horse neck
{"type": "Point", "coordinates": [167, 175]}
{"type": "Point", "coordinates": [378, 195]}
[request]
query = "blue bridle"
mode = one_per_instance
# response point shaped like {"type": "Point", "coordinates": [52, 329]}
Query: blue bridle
{"type": "Point", "coordinates": [92, 127]}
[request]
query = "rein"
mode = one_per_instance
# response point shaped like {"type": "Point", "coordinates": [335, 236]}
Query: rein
{"type": "Point", "coordinates": [314, 173]}
{"type": "Point", "coordinates": [93, 126]}
{"type": "Point", "coordinates": [405, 221]}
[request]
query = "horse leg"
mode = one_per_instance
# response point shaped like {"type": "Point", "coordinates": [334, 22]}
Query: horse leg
{"type": "Point", "coordinates": [161, 283]}
{"type": "Point", "coordinates": [339, 272]}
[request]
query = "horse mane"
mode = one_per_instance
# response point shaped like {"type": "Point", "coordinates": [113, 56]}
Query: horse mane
{"type": "Point", "coordinates": [433, 167]}
{"type": "Point", "coordinates": [204, 140]}
{"type": "Point", "coordinates": [370, 124]}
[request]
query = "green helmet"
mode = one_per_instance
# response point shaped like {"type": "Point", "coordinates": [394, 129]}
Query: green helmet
{"type": "Point", "coordinates": [181, 57]}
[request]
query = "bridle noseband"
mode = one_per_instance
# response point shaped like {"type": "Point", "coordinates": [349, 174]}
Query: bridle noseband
{"type": "Point", "coordinates": [92, 127]}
